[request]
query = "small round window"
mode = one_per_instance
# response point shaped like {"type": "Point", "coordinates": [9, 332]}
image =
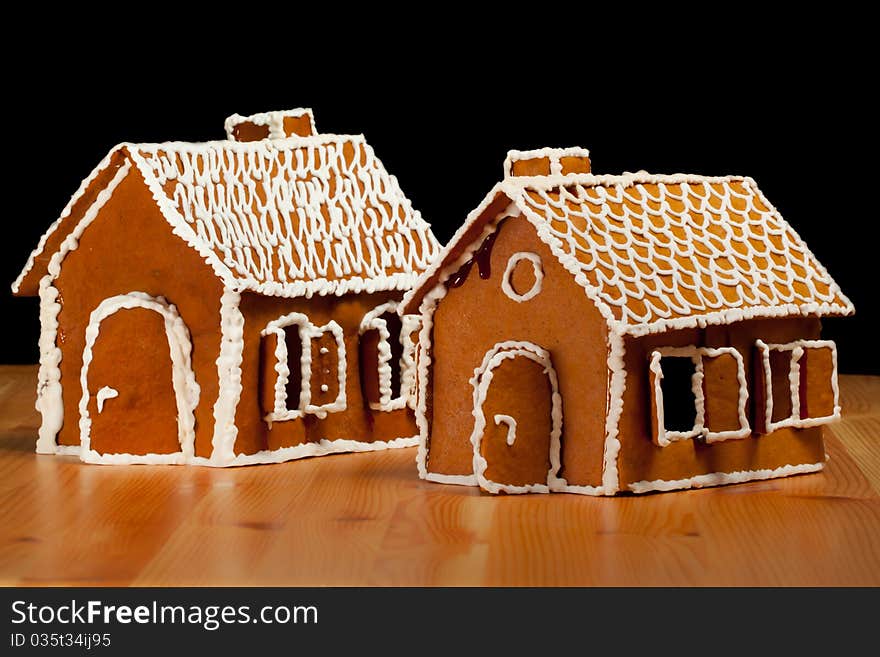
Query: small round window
{"type": "Point", "coordinates": [523, 276]}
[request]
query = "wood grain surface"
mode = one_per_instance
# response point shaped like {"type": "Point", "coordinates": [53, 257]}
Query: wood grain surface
{"type": "Point", "coordinates": [366, 519]}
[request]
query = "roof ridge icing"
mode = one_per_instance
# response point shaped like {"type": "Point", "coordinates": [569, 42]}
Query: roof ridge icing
{"type": "Point", "coordinates": [299, 216]}
{"type": "Point", "coordinates": [280, 144]}
{"type": "Point", "coordinates": [701, 250]}
{"type": "Point", "coordinates": [626, 179]}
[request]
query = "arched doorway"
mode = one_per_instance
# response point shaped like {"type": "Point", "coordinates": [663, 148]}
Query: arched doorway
{"type": "Point", "coordinates": [139, 392]}
{"type": "Point", "coordinates": [518, 420]}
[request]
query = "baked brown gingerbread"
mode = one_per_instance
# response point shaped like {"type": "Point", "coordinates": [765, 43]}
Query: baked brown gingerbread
{"type": "Point", "coordinates": [229, 302]}
{"type": "Point", "coordinates": [600, 334]}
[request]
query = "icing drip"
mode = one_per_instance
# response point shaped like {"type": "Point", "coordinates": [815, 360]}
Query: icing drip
{"type": "Point", "coordinates": [459, 277]}
{"type": "Point", "coordinates": [482, 257]}
{"type": "Point", "coordinates": [427, 307]}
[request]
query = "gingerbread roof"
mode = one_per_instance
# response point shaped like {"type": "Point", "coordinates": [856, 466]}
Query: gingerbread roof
{"type": "Point", "coordinates": [285, 217]}
{"type": "Point", "coordinates": [658, 252]}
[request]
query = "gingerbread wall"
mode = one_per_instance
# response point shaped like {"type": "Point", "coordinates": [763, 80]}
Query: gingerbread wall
{"type": "Point", "coordinates": [357, 422]}
{"type": "Point", "coordinates": [641, 460]}
{"type": "Point", "coordinates": [476, 315]}
{"type": "Point", "coordinates": [130, 247]}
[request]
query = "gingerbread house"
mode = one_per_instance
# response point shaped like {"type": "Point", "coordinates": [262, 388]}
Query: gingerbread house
{"type": "Point", "coordinates": [229, 302]}
{"type": "Point", "coordinates": [599, 334]}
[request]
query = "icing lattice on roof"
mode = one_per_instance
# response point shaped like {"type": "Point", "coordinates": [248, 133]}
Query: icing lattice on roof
{"type": "Point", "coordinates": [658, 252]}
{"type": "Point", "coordinates": [293, 217]}
{"type": "Point", "coordinates": [286, 217]}
{"type": "Point", "coordinates": [661, 252]}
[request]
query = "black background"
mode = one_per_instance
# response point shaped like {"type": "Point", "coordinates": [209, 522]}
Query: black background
{"type": "Point", "coordinates": [793, 113]}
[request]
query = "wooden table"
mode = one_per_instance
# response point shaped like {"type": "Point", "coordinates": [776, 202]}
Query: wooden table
{"type": "Point", "coordinates": [366, 519]}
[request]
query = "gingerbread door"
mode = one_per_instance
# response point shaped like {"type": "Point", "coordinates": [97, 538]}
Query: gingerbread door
{"type": "Point", "coordinates": [138, 389]}
{"type": "Point", "coordinates": [518, 420]}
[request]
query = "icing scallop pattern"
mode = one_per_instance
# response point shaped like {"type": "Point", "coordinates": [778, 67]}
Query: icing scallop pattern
{"type": "Point", "coordinates": [661, 248]}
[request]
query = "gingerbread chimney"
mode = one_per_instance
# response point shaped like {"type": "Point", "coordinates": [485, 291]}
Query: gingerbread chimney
{"type": "Point", "coordinates": [271, 125]}
{"type": "Point", "coordinates": [547, 162]}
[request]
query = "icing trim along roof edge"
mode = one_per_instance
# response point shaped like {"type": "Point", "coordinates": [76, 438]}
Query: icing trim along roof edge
{"type": "Point", "coordinates": [516, 189]}
{"type": "Point", "coordinates": [402, 244]}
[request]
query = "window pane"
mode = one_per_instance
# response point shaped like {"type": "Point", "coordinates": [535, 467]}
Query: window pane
{"type": "Point", "coordinates": [369, 361]}
{"type": "Point", "coordinates": [294, 363]}
{"type": "Point", "coordinates": [679, 403]}
{"type": "Point", "coordinates": [816, 391]}
{"type": "Point", "coordinates": [780, 382]}
{"type": "Point", "coordinates": [268, 375]}
{"type": "Point", "coordinates": [325, 369]}
{"type": "Point", "coordinates": [392, 321]}
{"type": "Point", "coordinates": [721, 393]}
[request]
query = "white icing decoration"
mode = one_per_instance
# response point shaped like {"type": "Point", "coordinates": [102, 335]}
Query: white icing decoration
{"type": "Point", "coordinates": [324, 387]}
{"type": "Point", "coordinates": [797, 349]}
{"type": "Point", "coordinates": [428, 306]}
{"type": "Point", "coordinates": [664, 307]}
{"type": "Point", "coordinates": [319, 448]}
{"type": "Point", "coordinates": [254, 211]}
{"type": "Point", "coordinates": [49, 389]}
{"type": "Point", "coordinates": [103, 395]}
{"type": "Point", "coordinates": [426, 310]}
{"type": "Point", "coordinates": [229, 373]}
{"type": "Point", "coordinates": [609, 294]}
{"type": "Point", "coordinates": [324, 351]}
{"type": "Point", "coordinates": [554, 155]}
{"type": "Point", "coordinates": [664, 437]}
{"type": "Point", "coordinates": [307, 332]}
{"type": "Point", "coordinates": [275, 121]}
{"type": "Point", "coordinates": [66, 213]}
{"type": "Point", "coordinates": [373, 321]}
{"type": "Point", "coordinates": [49, 392]}
{"type": "Point", "coordinates": [186, 390]}
{"type": "Point", "coordinates": [613, 410]}
{"type": "Point", "coordinates": [481, 382]}
{"type": "Point", "coordinates": [510, 423]}
{"type": "Point", "coordinates": [236, 204]}
{"type": "Point", "coordinates": [532, 292]}
{"type": "Point", "coordinates": [277, 241]}
{"type": "Point", "coordinates": [722, 478]}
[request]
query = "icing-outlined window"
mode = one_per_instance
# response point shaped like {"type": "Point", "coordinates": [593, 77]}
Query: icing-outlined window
{"type": "Point", "coordinates": [303, 368]}
{"type": "Point", "coordinates": [387, 356]}
{"type": "Point", "coordinates": [796, 385]}
{"type": "Point", "coordinates": [698, 392]}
